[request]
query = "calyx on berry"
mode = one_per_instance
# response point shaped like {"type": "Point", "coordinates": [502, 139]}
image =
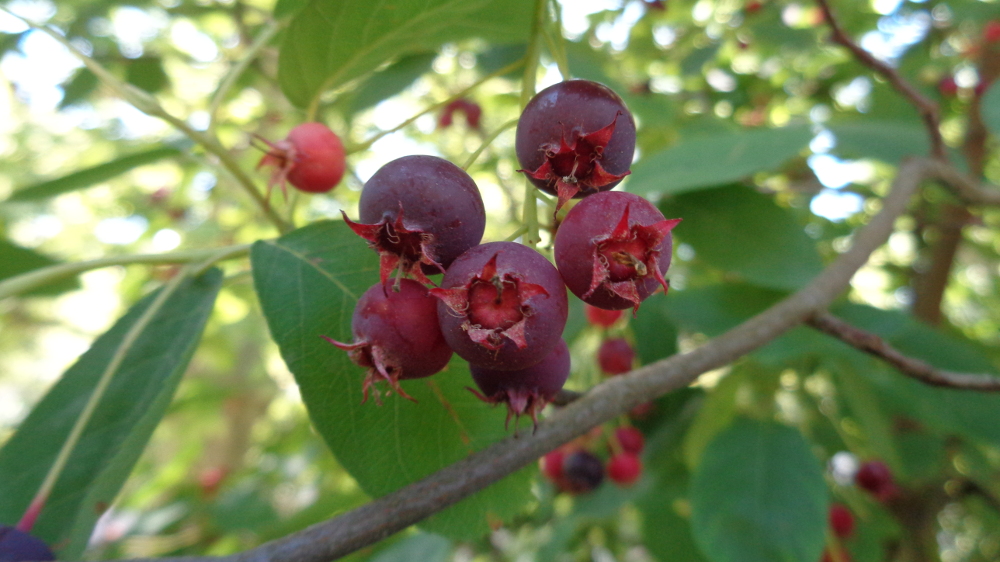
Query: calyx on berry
{"type": "Point", "coordinates": [311, 158]}
{"type": "Point", "coordinates": [528, 390]}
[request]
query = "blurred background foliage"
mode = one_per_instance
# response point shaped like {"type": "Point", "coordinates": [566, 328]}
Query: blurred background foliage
{"type": "Point", "coordinates": [772, 145]}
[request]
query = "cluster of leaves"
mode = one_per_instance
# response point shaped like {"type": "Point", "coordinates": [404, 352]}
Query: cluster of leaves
{"type": "Point", "coordinates": [728, 101]}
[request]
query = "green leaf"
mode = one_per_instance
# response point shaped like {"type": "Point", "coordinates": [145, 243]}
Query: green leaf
{"type": "Point", "coordinates": [743, 232]}
{"type": "Point", "coordinates": [331, 42]}
{"type": "Point", "coordinates": [889, 141]}
{"type": "Point", "coordinates": [390, 81]}
{"type": "Point", "coordinates": [758, 495]}
{"type": "Point", "coordinates": [308, 282]}
{"type": "Point", "coordinates": [424, 547]}
{"type": "Point", "coordinates": [122, 424]}
{"type": "Point", "coordinates": [15, 260]}
{"type": "Point", "coordinates": [78, 87]}
{"type": "Point", "coordinates": [665, 532]}
{"type": "Point", "coordinates": [708, 161]}
{"type": "Point", "coordinates": [91, 176]}
{"type": "Point", "coordinates": [655, 333]}
{"type": "Point", "coordinates": [990, 105]}
{"type": "Point", "coordinates": [147, 73]}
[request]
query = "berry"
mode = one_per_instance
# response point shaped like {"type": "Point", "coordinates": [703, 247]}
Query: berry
{"type": "Point", "coordinates": [948, 87]}
{"type": "Point", "coordinates": [613, 248]}
{"type": "Point", "coordinates": [841, 521]}
{"type": "Point", "coordinates": [311, 158]}
{"type": "Point", "coordinates": [600, 317]}
{"type": "Point", "coordinates": [642, 411]}
{"type": "Point", "coordinates": [624, 469]}
{"type": "Point", "coordinates": [528, 390]}
{"type": "Point", "coordinates": [575, 138]}
{"type": "Point", "coordinates": [552, 465]}
{"type": "Point", "coordinates": [582, 472]}
{"type": "Point", "coordinates": [396, 336]}
{"type": "Point", "coordinates": [991, 31]}
{"type": "Point", "coordinates": [18, 546]}
{"type": "Point", "coordinates": [615, 356]}
{"type": "Point", "coordinates": [419, 213]}
{"type": "Point", "coordinates": [753, 7]}
{"type": "Point", "coordinates": [471, 109]}
{"type": "Point", "coordinates": [630, 440]}
{"type": "Point", "coordinates": [876, 478]}
{"type": "Point", "coordinates": [503, 306]}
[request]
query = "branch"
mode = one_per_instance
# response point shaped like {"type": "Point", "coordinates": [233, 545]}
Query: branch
{"type": "Point", "coordinates": [915, 368]}
{"type": "Point", "coordinates": [404, 507]}
{"type": "Point", "coordinates": [929, 110]}
{"type": "Point", "coordinates": [963, 186]}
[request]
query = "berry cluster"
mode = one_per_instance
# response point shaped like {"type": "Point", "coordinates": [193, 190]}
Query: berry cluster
{"type": "Point", "coordinates": [574, 469]}
{"type": "Point", "coordinates": [502, 306]}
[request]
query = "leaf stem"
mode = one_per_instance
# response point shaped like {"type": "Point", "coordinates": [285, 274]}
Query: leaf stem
{"type": "Point", "coordinates": [462, 93]}
{"type": "Point", "coordinates": [557, 46]}
{"type": "Point", "coordinates": [39, 277]}
{"type": "Point", "coordinates": [520, 231]}
{"type": "Point", "coordinates": [486, 143]}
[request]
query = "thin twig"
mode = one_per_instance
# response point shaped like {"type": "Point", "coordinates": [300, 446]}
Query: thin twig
{"type": "Point", "coordinates": [396, 511]}
{"type": "Point", "coordinates": [486, 143]}
{"type": "Point", "coordinates": [265, 36]}
{"type": "Point", "coordinates": [963, 186]}
{"type": "Point", "coordinates": [915, 368]}
{"type": "Point", "coordinates": [929, 111]}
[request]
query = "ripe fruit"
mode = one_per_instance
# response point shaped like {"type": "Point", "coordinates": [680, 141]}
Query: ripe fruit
{"type": "Point", "coordinates": [624, 469]}
{"type": "Point", "coordinates": [615, 356]}
{"type": "Point", "coordinates": [600, 317]}
{"type": "Point", "coordinates": [841, 521]}
{"type": "Point", "coordinates": [876, 478]}
{"type": "Point", "coordinates": [991, 31]}
{"type": "Point", "coordinates": [948, 87]}
{"type": "Point", "coordinates": [575, 138]}
{"type": "Point", "coordinates": [552, 465]}
{"type": "Point", "coordinates": [630, 440]}
{"type": "Point", "coordinates": [528, 390]}
{"type": "Point", "coordinates": [503, 306]}
{"type": "Point", "coordinates": [753, 7]}
{"type": "Point", "coordinates": [310, 158]}
{"type": "Point", "coordinates": [419, 213]}
{"type": "Point", "coordinates": [613, 248]}
{"type": "Point", "coordinates": [18, 546]}
{"type": "Point", "coordinates": [396, 336]}
{"type": "Point", "coordinates": [582, 472]}
{"type": "Point", "coordinates": [471, 109]}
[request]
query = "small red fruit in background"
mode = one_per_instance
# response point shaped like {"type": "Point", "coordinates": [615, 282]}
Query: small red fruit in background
{"type": "Point", "coordinates": [630, 439]}
{"type": "Point", "coordinates": [841, 521]}
{"type": "Point", "coordinates": [210, 479]}
{"type": "Point", "coordinates": [753, 7]}
{"type": "Point", "coordinates": [552, 465]}
{"type": "Point", "coordinates": [948, 87]}
{"type": "Point", "coordinates": [311, 158]}
{"type": "Point", "coordinates": [991, 31]}
{"type": "Point", "coordinates": [876, 478]}
{"type": "Point", "coordinates": [582, 472]}
{"type": "Point", "coordinates": [600, 317]}
{"type": "Point", "coordinates": [615, 356]}
{"type": "Point", "coordinates": [473, 113]}
{"type": "Point", "coordinates": [624, 469]}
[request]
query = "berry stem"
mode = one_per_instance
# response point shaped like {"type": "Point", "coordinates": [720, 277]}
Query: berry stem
{"type": "Point", "coordinates": [486, 143]}
{"type": "Point", "coordinates": [534, 52]}
{"type": "Point", "coordinates": [530, 215]}
{"type": "Point", "coordinates": [519, 232]}
{"type": "Point", "coordinates": [556, 44]}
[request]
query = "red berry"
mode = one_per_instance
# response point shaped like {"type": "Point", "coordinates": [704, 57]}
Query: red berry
{"type": "Point", "coordinates": [876, 478]}
{"type": "Point", "coordinates": [613, 248]}
{"type": "Point", "coordinates": [624, 469]}
{"type": "Point", "coordinates": [19, 546]}
{"type": "Point", "coordinates": [396, 336]}
{"type": "Point", "coordinates": [582, 472]}
{"type": "Point", "coordinates": [630, 439]}
{"type": "Point", "coordinates": [473, 113]}
{"type": "Point", "coordinates": [642, 411]}
{"type": "Point", "coordinates": [211, 478]}
{"type": "Point", "coordinates": [948, 87]}
{"type": "Point", "coordinates": [991, 31]}
{"type": "Point", "coordinates": [419, 213]}
{"type": "Point", "coordinates": [528, 390]}
{"type": "Point", "coordinates": [552, 465]}
{"type": "Point", "coordinates": [753, 7]}
{"type": "Point", "coordinates": [503, 306]}
{"type": "Point", "coordinates": [575, 138]}
{"type": "Point", "coordinates": [615, 356]}
{"type": "Point", "coordinates": [311, 158]}
{"type": "Point", "coordinates": [841, 521]}
{"type": "Point", "coordinates": [601, 317]}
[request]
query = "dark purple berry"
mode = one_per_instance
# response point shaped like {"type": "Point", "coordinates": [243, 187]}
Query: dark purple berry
{"type": "Point", "coordinates": [575, 138]}
{"type": "Point", "coordinates": [419, 213]}
{"type": "Point", "coordinates": [396, 335]}
{"type": "Point", "coordinates": [525, 391]}
{"type": "Point", "coordinates": [582, 472]}
{"type": "Point", "coordinates": [876, 477]}
{"type": "Point", "coordinates": [615, 356]}
{"type": "Point", "coordinates": [503, 306]}
{"type": "Point", "coordinates": [613, 248]}
{"type": "Point", "coordinates": [18, 546]}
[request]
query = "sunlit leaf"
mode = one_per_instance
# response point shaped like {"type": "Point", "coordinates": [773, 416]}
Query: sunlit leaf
{"type": "Point", "coordinates": [15, 260]}
{"type": "Point", "coordinates": [990, 105]}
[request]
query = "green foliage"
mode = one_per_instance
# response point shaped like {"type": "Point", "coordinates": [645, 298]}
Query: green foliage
{"type": "Point", "coordinates": [15, 260]}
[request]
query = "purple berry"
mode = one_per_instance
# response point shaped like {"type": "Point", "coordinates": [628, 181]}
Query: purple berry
{"type": "Point", "coordinates": [419, 213]}
{"type": "Point", "coordinates": [615, 356]}
{"type": "Point", "coordinates": [18, 546]}
{"type": "Point", "coordinates": [396, 335]}
{"type": "Point", "coordinates": [613, 248]}
{"type": "Point", "coordinates": [525, 391]}
{"type": "Point", "coordinates": [582, 472]}
{"type": "Point", "coordinates": [575, 138]}
{"type": "Point", "coordinates": [503, 306]}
